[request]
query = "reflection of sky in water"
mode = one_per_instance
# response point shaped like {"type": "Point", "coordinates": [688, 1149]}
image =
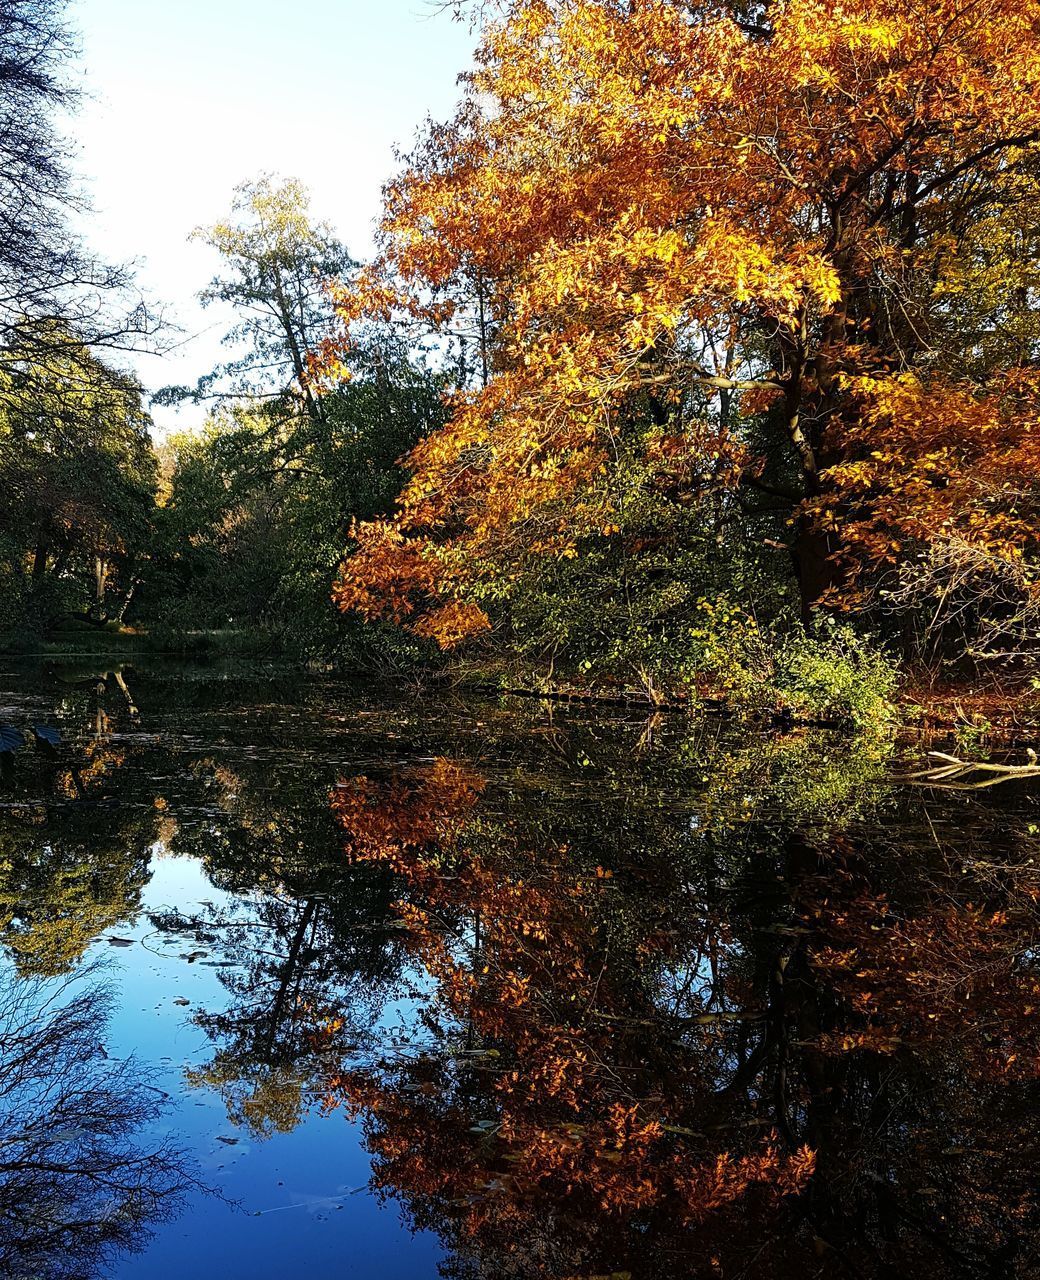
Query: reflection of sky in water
{"type": "Point", "coordinates": [244, 784]}
{"type": "Point", "coordinates": [304, 1209]}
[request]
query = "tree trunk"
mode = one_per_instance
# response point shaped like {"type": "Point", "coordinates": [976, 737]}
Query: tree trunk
{"type": "Point", "coordinates": [120, 613]}
{"type": "Point", "coordinates": [814, 569]}
{"type": "Point", "coordinates": [101, 583]}
{"type": "Point", "coordinates": [39, 561]}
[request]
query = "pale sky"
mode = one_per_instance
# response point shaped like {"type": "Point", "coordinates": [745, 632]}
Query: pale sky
{"type": "Point", "coordinates": [190, 97]}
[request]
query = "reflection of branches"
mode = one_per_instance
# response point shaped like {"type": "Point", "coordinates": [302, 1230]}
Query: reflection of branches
{"type": "Point", "coordinates": [76, 1184]}
{"type": "Point", "coordinates": [655, 1039]}
{"type": "Point", "coordinates": [291, 966]}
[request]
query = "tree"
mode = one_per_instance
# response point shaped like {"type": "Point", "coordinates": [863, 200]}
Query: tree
{"type": "Point", "coordinates": [278, 262]}
{"type": "Point", "coordinates": [261, 504]}
{"type": "Point", "coordinates": [77, 468]}
{"type": "Point", "coordinates": [259, 508]}
{"type": "Point", "coordinates": [715, 238]}
{"type": "Point", "coordinates": [45, 273]}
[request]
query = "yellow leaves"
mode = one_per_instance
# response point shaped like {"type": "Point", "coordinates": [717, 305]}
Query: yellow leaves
{"type": "Point", "coordinates": [946, 463]}
{"type": "Point", "coordinates": [622, 179]}
{"type": "Point", "coordinates": [452, 623]}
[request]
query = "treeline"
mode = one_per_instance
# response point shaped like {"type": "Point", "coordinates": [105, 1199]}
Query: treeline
{"type": "Point", "coordinates": [762, 290]}
{"type": "Point", "coordinates": [237, 528]}
{"type": "Point", "coordinates": [76, 468]}
{"type": "Point", "coordinates": [701, 353]}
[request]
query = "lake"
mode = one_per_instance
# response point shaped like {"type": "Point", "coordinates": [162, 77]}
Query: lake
{"type": "Point", "coordinates": [322, 979]}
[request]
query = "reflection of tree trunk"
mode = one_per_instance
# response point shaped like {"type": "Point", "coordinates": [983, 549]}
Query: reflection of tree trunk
{"type": "Point", "coordinates": [289, 976]}
{"type": "Point", "coordinates": [830, 1094]}
{"type": "Point", "coordinates": [125, 692]}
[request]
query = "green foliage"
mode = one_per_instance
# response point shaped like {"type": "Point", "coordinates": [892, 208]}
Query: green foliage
{"type": "Point", "coordinates": [277, 260]}
{"type": "Point", "coordinates": [836, 672]}
{"type": "Point", "coordinates": [78, 476]}
{"type": "Point", "coordinates": [832, 674]}
{"type": "Point", "coordinates": [625, 602]}
{"type": "Point", "coordinates": [259, 507]}
{"type": "Point", "coordinates": [663, 594]}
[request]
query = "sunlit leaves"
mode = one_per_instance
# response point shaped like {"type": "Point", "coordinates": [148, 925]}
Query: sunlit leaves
{"type": "Point", "coordinates": [669, 202]}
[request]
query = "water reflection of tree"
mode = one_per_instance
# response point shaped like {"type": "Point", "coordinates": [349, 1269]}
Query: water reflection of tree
{"type": "Point", "coordinates": [79, 1184]}
{"type": "Point", "coordinates": [305, 952]}
{"type": "Point", "coordinates": [683, 1044]}
{"type": "Point", "coordinates": [73, 858]}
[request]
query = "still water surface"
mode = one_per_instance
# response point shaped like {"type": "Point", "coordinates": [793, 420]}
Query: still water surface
{"type": "Point", "coordinates": [303, 978]}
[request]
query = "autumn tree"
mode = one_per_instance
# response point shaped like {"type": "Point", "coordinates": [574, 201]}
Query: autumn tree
{"type": "Point", "coordinates": [735, 257]}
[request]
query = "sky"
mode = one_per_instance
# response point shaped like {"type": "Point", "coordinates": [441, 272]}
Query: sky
{"type": "Point", "coordinates": [186, 98]}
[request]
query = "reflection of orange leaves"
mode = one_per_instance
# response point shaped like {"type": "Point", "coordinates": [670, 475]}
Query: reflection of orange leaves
{"type": "Point", "coordinates": [575, 1103]}
{"type": "Point", "coordinates": [388, 824]}
{"type": "Point", "coordinates": [943, 976]}
{"type": "Point", "coordinates": [100, 758]}
{"type": "Point", "coordinates": [873, 1040]}
{"type": "Point", "coordinates": [567, 1094]}
{"type": "Point", "coordinates": [729, 1178]}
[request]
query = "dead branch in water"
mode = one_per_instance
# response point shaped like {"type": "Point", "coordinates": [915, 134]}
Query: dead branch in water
{"type": "Point", "coordinates": [955, 774]}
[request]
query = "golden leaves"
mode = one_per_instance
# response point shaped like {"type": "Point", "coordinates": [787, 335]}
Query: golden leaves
{"type": "Point", "coordinates": [623, 180]}
{"type": "Point", "coordinates": [944, 460]}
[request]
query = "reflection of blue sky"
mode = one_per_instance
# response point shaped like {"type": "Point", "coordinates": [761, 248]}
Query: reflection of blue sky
{"type": "Point", "coordinates": [192, 97]}
{"type": "Point", "coordinates": [301, 1211]}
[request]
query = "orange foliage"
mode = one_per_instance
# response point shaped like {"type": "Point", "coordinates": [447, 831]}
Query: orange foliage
{"type": "Point", "coordinates": [930, 462]}
{"type": "Point", "coordinates": [586, 1106]}
{"type": "Point", "coordinates": [667, 202]}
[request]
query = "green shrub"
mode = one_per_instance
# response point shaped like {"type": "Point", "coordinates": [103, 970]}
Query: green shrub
{"type": "Point", "coordinates": [833, 674]}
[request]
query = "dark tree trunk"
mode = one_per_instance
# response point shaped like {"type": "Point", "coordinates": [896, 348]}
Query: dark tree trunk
{"type": "Point", "coordinates": [40, 561]}
{"type": "Point", "coordinates": [815, 570]}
